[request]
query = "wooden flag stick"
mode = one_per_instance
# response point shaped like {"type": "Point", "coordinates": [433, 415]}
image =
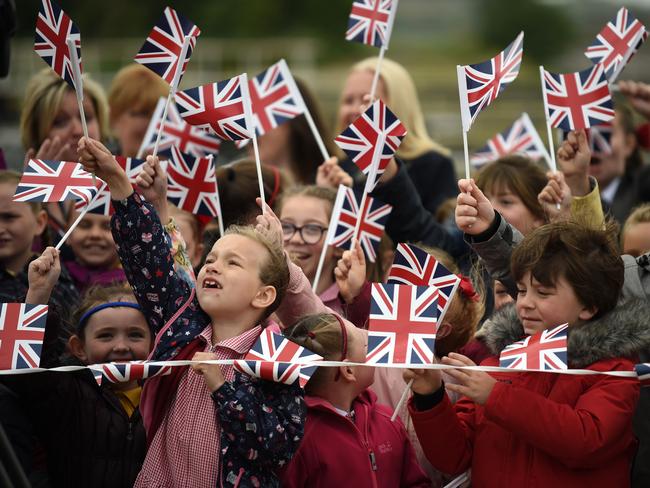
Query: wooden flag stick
{"type": "Point", "coordinates": [317, 136]}
{"type": "Point", "coordinates": [375, 79]}
{"type": "Point", "coordinates": [172, 89]}
{"type": "Point", "coordinates": [466, 152]}
{"type": "Point", "coordinates": [258, 165]}
{"type": "Point", "coordinates": [83, 212]}
{"type": "Point", "coordinates": [402, 399]}
{"type": "Point", "coordinates": [76, 72]}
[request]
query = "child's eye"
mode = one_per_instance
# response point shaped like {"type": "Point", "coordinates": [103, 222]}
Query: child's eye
{"type": "Point", "coordinates": [136, 335]}
{"type": "Point", "coordinates": [232, 262]}
{"type": "Point", "coordinates": [104, 337]}
{"type": "Point", "coordinates": [521, 291]}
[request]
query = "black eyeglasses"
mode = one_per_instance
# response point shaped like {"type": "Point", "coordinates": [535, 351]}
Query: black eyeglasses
{"type": "Point", "coordinates": [309, 233]}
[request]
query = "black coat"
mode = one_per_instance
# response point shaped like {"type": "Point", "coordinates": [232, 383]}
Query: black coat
{"type": "Point", "coordinates": [87, 436]}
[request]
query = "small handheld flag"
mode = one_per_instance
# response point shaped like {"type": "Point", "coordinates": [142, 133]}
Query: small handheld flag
{"type": "Point", "coordinates": [162, 50]}
{"type": "Point", "coordinates": [192, 184]}
{"type": "Point", "coordinates": [271, 359]}
{"type": "Point", "coordinates": [371, 22]}
{"type": "Point", "coordinates": [546, 351]}
{"type": "Point", "coordinates": [403, 324]}
{"type": "Point", "coordinates": [22, 329]}
{"type": "Point", "coordinates": [125, 372]}
{"type": "Point", "coordinates": [616, 43]}
{"type": "Point", "coordinates": [372, 140]}
{"type": "Point", "coordinates": [55, 181]}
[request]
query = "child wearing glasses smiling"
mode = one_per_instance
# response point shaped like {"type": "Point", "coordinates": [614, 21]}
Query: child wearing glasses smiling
{"type": "Point", "coordinates": [305, 213]}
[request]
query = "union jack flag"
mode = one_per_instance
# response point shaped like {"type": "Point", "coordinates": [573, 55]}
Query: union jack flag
{"type": "Point", "coordinates": [275, 98]}
{"type": "Point", "coordinates": [101, 204]}
{"type": "Point", "coordinates": [546, 351]}
{"type": "Point", "coordinates": [371, 22]}
{"type": "Point", "coordinates": [643, 372]}
{"type": "Point", "coordinates": [520, 138]}
{"type": "Point", "coordinates": [192, 184]}
{"type": "Point", "coordinates": [124, 372]}
{"type": "Point", "coordinates": [403, 324]}
{"type": "Point", "coordinates": [415, 266]}
{"type": "Point", "coordinates": [480, 84]}
{"type": "Point", "coordinates": [161, 50]}
{"type": "Point", "coordinates": [22, 328]}
{"type": "Point", "coordinates": [271, 358]}
{"type": "Point", "coordinates": [577, 100]}
{"type": "Point", "coordinates": [55, 181]}
{"type": "Point", "coordinates": [53, 28]}
{"type": "Point", "coordinates": [177, 132]}
{"type": "Point", "coordinates": [222, 107]}
{"type": "Point", "coordinates": [345, 215]}
{"type": "Point", "coordinates": [372, 140]}
{"type": "Point", "coordinates": [617, 42]}
{"type": "Point", "coordinates": [599, 137]}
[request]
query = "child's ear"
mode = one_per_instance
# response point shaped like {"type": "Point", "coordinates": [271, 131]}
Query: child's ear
{"type": "Point", "coordinates": [587, 313]}
{"type": "Point", "coordinates": [265, 297]}
{"type": "Point", "coordinates": [41, 222]}
{"type": "Point", "coordinates": [76, 347]}
{"type": "Point", "coordinates": [443, 330]}
{"type": "Point", "coordinates": [347, 373]}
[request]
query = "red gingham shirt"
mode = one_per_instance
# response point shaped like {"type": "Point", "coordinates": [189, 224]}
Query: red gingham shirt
{"type": "Point", "coordinates": [185, 450]}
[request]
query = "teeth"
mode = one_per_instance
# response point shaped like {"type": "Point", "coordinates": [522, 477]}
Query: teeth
{"type": "Point", "coordinates": [211, 284]}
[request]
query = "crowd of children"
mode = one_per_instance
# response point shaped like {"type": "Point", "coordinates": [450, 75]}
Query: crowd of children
{"type": "Point", "coordinates": [532, 250]}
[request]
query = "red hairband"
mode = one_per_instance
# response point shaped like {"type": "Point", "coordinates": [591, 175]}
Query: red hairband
{"type": "Point", "coordinates": [344, 347]}
{"type": "Point", "coordinates": [467, 288]}
{"type": "Point", "coordinates": [276, 185]}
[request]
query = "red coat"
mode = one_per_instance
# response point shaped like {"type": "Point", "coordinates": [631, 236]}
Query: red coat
{"type": "Point", "coordinates": [544, 429]}
{"type": "Point", "coordinates": [370, 452]}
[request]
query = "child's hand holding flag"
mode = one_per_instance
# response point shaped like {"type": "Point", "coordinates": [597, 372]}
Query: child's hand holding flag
{"type": "Point", "coordinates": [96, 158]}
{"type": "Point", "coordinates": [474, 212]}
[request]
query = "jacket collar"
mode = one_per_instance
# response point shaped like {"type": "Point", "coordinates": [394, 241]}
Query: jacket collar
{"type": "Point", "coordinates": [622, 333]}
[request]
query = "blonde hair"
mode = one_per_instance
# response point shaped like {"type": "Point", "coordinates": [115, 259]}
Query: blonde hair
{"type": "Point", "coordinates": [403, 101]}
{"type": "Point", "coordinates": [639, 215]}
{"type": "Point", "coordinates": [326, 194]}
{"type": "Point", "coordinates": [135, 87]}
{"type": "Point", "coordinates": [274, 271]}
{"type": "Point", "coordinates": [43, 98]}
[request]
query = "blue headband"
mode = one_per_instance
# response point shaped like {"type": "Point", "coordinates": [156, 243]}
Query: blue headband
{"type": "Point", "coordinates": [84, 317]}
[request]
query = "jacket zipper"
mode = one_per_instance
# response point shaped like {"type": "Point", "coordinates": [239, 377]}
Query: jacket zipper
{"type": "Point", "coordinates": [364, 438]}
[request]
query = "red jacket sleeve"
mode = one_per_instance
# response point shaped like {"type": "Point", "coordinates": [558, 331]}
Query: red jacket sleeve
{"type": "Point", "coordinates": [446, 434]}
{"type": "Point", "coordinates": [580, 436]}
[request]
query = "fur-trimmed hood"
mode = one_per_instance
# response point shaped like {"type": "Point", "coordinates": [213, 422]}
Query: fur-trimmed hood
{"type": "Point", "coordinates": [622, 333]}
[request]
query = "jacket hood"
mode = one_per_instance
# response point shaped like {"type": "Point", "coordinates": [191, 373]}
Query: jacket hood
{"type": "Point", "coordinates": [622, 333]}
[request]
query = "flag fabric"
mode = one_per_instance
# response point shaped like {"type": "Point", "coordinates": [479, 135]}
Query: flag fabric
{"type": "Point", "coordinates": [546, 351]}
{"type": "Point", "coordinates": [643, 372]}
{"type": "Point", "coordinates": [577, 100]}
{"type": "Point", "coordinates": [55, 181]}
{"type": "Point", "coordinates": [372, 139]}
{"type": "Point", "coordinates": [53, 28]}
{"type": "Point", "coordinates": [600, 139]}
{"type": "Point", "coordinates": [371, 22]}
{"type": "Point", "coordinates": [102, 203]}
{"type": "Point", "coordinates": [520, 138]}
{"type": "Point", "coordinates": [177, 132]}
{"type": "Point", "coordinates": [480, 84]}
{"type": "Point", "coordinates": [373, 220]}
{"type": "Point", "coordinates": [192, 184]}
{"type": "Point", "coordinates": [222, 108]}
{"type": "Point", "coordinates": [124, 372]}
{"type": "Point", "coordinates": [403, 323]}
{"type": "Point", "coordinates": [617, 42]}
{"type": "Point", "coordinates": [271, 358]}
{"type": "Point", "coordinates": [161, 50]}
{"type": "Point", "coordinates": [22, 329]}
{"type": "Point", "coordinates": [275, 98]}
{"type": "Point", "coordinates": [415, 266]}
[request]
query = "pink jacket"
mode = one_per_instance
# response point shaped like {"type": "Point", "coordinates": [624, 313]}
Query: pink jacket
{"type": "Point", "coordinates": [369, 451]}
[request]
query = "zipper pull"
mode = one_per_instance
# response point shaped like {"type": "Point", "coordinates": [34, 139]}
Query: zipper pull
{"type": "Point", "coordinates": [373, 460]}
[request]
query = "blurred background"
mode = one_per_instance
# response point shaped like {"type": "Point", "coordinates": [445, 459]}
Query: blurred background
{"type": "Point", "coordinates": [430, 37]}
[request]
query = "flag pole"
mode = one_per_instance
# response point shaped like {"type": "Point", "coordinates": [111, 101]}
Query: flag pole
{"type": "Point", "coordinates": [401, 401]}
{"type": "Point", "coordinates": [250, 126]}
{"type": "Point", "coordinates": [548, 123]}
{"type": "Point", "coordinates": [372, 176]}
{"type": "Point", "coordinates": [336, 212]}
{"type": "Point", "coordinates": [465, 120]}
{"type": "Point", "coordinates": [627, 57]}
{"type": "Point", "coordinates": [317, 136]}
{"type": "Point", "coordinates": [220, 216]}
{"type": "Point", "coordinates": [459, 481]}
{"type": "Point", "coordinates": [83, 212]}
{"type": "Point", "coordinates": [375, 78]}
{"type": "Point", "coordinates": [466, 152]}
{"type": "Point", "coordinates": [172, 88]}
{"type": "Point", "coordinates": [76, 72]}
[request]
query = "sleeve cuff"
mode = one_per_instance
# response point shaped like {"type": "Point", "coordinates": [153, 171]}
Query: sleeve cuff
{"type": "Point", "coordinates": [487, 233]}
{"type": "Point", "coordinates": [427, 402]}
